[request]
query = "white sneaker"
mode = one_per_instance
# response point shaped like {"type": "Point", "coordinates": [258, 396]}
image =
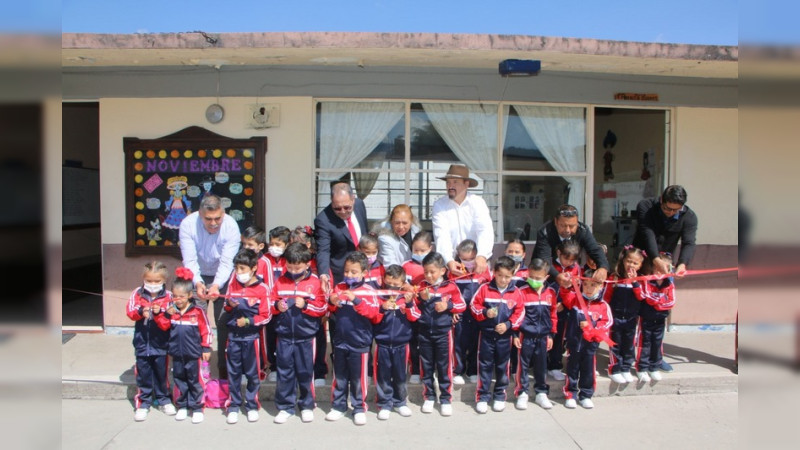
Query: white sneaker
{"type": "Point", "coordinates": [618, 378]}
{"type": "Point", "coordinates": [282, 417]}
{"type": "Point", "coordinates": [272, 377]}
{"type": "Point", "coordinates": [571, 403]}
{"type": "Point", "coordinates": [427, 406]}
{"type": "Point", "coordinates": [446, 409]}
{"type": "Point", "coordinates": [628, 377]}
{"type": "Point", "coordinates": [252, 415]}
{"type": "Point", "coordinates": [169, 409]}
{"type": "Point", "coordinates": [587, 403]}
{"type": "Point", "coordinates": [542, 400]}
{"type": "Point", "coordinates": [360, 419]}
{"type": "Point", "coordinates": [473, 379]}
{"type": "Point", "coordinates": [140, 414]}
{"type": "Point", "coordinates": [498, 405]}
{"type": "Point", "coordinates": [482, 407]}
{"type": "Point", "coordinates": [384, 414]}
{"type": "Point", "coordinates": [556, 374]}
{"type": "Point", "coordinates": [197, 417]}
{"type": "Point", "coordinates": [181, 414]}
{"type": "Point", "coordinates": [643, 377]}
{"type": "Point", "coordinates": [404, 411]}
{"type": "Point", "coordinates": [319, 382]}
{"type": "Point", "coordinates": [232, 418]}
{"type": "Point", "coordinates": [458, 380]}
{"type": "Point", "coordinates": [655, 375]}
{"type": "Point", "coordinates": [334, 415]}
{"type": "Point", "coordinates": [522, 401]}
{"type": "Point", "coordinates": [307, 415]}
{"type": "Point", "coordinates": [414, 379]}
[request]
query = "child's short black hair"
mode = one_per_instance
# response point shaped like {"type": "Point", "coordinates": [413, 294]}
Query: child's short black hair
{"type": "Point", "coordinates": [466, 246]}
{"type": "Point", "coordinates": [297, 253]}
{"type": "Point", "coordinates": [246, 257]}
{"type": "Point", "coordinates": [358, 258]}
{"type": "Point", "coordinates": [538, 264]}
{"type": "Point", "coordinates": [434, 258]}
{"type": "Point", "coordinates": [423, 236]}
{"type": "Point", "coordinates": [281, 233]}
{"type": "Point", "coordinates": [368, 239]}
{"type": "Point", "coordinates": [395, 271]}
{"type": "Point", "coordinates": [588, 273]}
{"type": "Point", "coordinates": [255, 233]}
{"type": "Point", "coordinates": [505, 262]}
{"type": "Point", "coordinates": [569, 248]}
{"type": "Point", "coordinates": [305, 235]}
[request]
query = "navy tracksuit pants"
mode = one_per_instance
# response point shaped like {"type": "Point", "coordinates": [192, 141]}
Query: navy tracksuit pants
{"type": "Point", "coordinates": [295, 372]}
{"type": "Point", "coordinates": [151, 381]}
{"type": "Point", "coordinates": [555, 357]}
{"type": "Point", "coordinates": [243, 360]}
{"type": "Point", "coordinates": [390, 374]}
{"type": "Point", "coordinates": [465, 336]}
{"type": "Point", "coordinates": [493, 358]}
{"type": "Point", "coordinates": [436, 353]}
{"type": "Point", "coordinates": [651, 336]}
{"type": "Point", "coordinates": [186, 375]}
{"type": "Point", "coordinates": [532, 354]}
{"type": "Point", "coordinates": [622, 356]}
{"type": "Point", "coordinates": [349, 377]}
{"type": "Point", "coordinates": [580, 371]}
{"type": "Point", "coordinates": [321, 353]}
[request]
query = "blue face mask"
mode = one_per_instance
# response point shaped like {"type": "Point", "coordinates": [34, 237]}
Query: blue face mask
{"type": "Point", "coordinates": [352, 281]}
{"type": "Point", "coordinates": [593, 297]}
{"type": "Point", "coordinates": [295, 276]}
{"type": "Point", "coordinates": [517, 258]}
{"type": "Point", "coordinates": [418, 258]}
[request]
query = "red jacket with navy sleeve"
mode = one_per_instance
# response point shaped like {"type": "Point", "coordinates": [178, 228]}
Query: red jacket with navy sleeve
{"type": "Point", "coordinates": [298, 324]}
{"type": "Point", "coordinates": [599, 313]}
{"type": "Point", "coordinates": [264, 270]}
{"type": "Point", "coordinates": [469, 284]}
{"type": "Point", "coordinates": [541, 317]}
{"type": "Point", "coordinates": [431, 321]}
{"type": "Point", "coordinates": [354, 318]}
{"type": "Point", "coordinates": [189, 331]}
{"type": "Point", "coordinates": [659, 298]}
{"type": "Point", "coordinates": [148, 338]}
{"type": "Point", "coordinates": [251, 302]}
{"type": "Point", "coordinates": [375, 274]}
{"type": "Point", "coordinates": [520, 277]}
{"type": "Point", "coordinates": [508, 305]}
{"type": "Point", "coordinates": [394, 327]}
{"type": "Point", "coordinates": [625, 299]}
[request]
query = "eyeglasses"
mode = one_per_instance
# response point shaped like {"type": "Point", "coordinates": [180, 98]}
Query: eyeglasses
{"type": "Point", "coordinates": [342, 208]}
{"type": "Point", "coordinates": [667, 209]}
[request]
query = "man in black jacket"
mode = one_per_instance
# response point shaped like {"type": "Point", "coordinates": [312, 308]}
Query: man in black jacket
{"type": "Point", "coordinates": [663, 222]}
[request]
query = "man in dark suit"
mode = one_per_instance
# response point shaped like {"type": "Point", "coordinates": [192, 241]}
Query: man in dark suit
{"type": "Point", "coordinates": [337, 230]}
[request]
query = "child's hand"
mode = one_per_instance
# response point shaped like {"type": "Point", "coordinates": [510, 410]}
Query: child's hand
{"type": "Point", "coordinates": [560, 307]}
{"type": "Point", "coordinates": [282, 306]}
{"type": "Point", "coordinates": [156, 308]}
{"type": "Point", "coordinates": [501, 328]}
{"type": "Point", "coordinates": [172, 310]}
{"type": "Point", "coordinates": [456, 318]}
{"type": "Point", "coordinates": [584, 324]}
{"type": "Point", "coordinates": [518, 342]}
{"type": "Point", "coordinates": [425, 294]}
{"type": "Point", "coordinates": [491, 313]}
{"type": "Point", "coordinates": [408, 296]}
{"type": "Point", "coordinates": [232, 302]}
{"type": "Point", "coordinates": [389, 305]}
{"type": "Point", "coordinates": [632, 273]}
{"type": "Point", "coordinates": [440, 306]}
{"type": "Point", "coordinates": [549, 343]}
{"type": "Point", "coordinates": [146, 313]}
{"type": "Point", "coordinates": [300, 302]}
{"type": "Point", "coordinates": [349, 295]}
{"type": "Point", "coordinates": [206, 356]}
{"type": "Point", "coordinates": [241, 322]}
{"type": "Point", "coordinates": [334, 299]}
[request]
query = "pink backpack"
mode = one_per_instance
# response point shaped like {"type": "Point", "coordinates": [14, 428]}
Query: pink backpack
{"type": "Point", "coordinates": [216, 393]}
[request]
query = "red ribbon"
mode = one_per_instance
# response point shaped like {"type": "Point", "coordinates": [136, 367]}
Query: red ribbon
{"type": "Point", "coordinates": [590, 333]}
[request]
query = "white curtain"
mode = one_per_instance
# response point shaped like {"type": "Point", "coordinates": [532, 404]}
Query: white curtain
{"type": "Point", "coordinates": [349, 132]}
{"type": "Point", "coordinates": [560, 134]}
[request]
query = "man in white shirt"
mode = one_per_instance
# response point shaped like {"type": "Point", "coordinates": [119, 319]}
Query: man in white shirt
{"type": "Point", "coordinates": [462, 215]}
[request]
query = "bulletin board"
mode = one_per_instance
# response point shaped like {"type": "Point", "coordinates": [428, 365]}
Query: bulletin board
{"type": "Point", "coordinates": [166, 178]}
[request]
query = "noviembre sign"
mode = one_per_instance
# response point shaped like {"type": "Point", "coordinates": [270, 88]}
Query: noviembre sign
{"type": "Point", "coordinates": [636, 97]}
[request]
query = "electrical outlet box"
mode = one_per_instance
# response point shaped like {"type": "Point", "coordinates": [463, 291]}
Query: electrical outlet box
{"type": "Point", "coordinates": [263, 115]}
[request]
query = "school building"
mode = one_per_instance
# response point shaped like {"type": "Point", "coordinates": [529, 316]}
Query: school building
{"type": "Point", "coordinates": [268, 120]}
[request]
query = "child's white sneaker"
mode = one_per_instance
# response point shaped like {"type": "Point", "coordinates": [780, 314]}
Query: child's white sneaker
{"type": "Point", "coordinates": [414, 379]}
{"type": "Point", "coordinates": [384, 414]}
{"type": "Point", "coordinates": [307, 415]}
{"type": "Point", "coordinates": [556, 374]}
{"type": "Point", "coordinates": [587, 403]}
{"type": "Point", "coordinates": [498, 405]}
{"type": "Point", "coordinates": [282, 417]}
{"type": "Point", "coordinates": [404, 411]}
{"type": "Point", "coordinates": [319, 382]}
{"type": "Point", "coordinates": [182, 414]}
{"type": "Point", "coordinates": [571, 403]}
{"type": "Point", "coordinates": [334, 415]}
{"type": "Point", "coordinates": [252, 415]}
{"type": "Point", "coordinates": [233, 417]}
{"type": "Point", "coordinates": [140, 414]}
{"type": "Point", "coordinates": [522, 401]}
{"type": "Point", "coordinates": [446, 409]}
{"type": "Point", "coordinates": [655, 375]}
{"type": "Point", "coordinates": [360, 419]}
{"type": "Point", "coordinates": [427, 406]}
{"type": "Point", "coordinates": [197, 417]}
{"type": "Point", "coordinates": [482, 407]}
{"type": "Point", "coordinates": [628, 377]}
{"type": "Point", "coordinates": [272, 377]}
{"type": "Point", "coordinates": [618, 378]}
{"type": "Point", "coordinates": [458, 380]}
{"type": "Point", "coordinates": [169, 409]}
{"type": "Point", "coordinates": [542, 400]}
{"type": "Point", "coordinates": [643, 377]}
{"type": "Point", "coordinates": [473, 379]}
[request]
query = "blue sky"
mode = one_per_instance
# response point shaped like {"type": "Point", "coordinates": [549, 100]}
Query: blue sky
{"type": "Point", "coordinates": [717, 22]}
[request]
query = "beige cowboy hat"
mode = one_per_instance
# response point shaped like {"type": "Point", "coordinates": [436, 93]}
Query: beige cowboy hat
{"type": "Point", "coordinates": [461, 172]}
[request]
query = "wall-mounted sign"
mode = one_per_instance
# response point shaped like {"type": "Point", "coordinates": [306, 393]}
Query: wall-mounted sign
{"type": "Point", "coordinates": [636, 97]}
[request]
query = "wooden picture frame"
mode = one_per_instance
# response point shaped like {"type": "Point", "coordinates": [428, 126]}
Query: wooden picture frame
{"type": "Point", "coordinates": [165, 179]}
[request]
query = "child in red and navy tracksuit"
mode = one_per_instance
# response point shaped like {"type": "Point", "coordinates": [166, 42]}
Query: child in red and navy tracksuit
{"type": "Point", "coordinates": [298, 305]}
{"type": "Point", "coordinates": [659, 298]}
{"type": "Point", "coordinates": [465, 330]}
{"type": "Point", "coordinates": [392, 334]}
{"type": "Point", "coordinates": [438, 299]}
{"type": "Point", "coordinates": [588, 322]}
{"type": "Point", "coordinates": [255, 238]}
{"type": "Point", "coordinates": [355, 308]}
{"type": "Point", "coordinates": [150, 341]}
{"type": "Point", "coordinates": [249, 309]}
{"type": "Point", "coordinates": [567, 254]}
{"type": "Point", "coordinates": [421, 245]}
{"type": "Point", "coordinates": [189, 343]}
{"type": "Point", "coordinates": [625, 300]}
{"type": "Point", "coordinates": [497, 307]}
{"type": "Point", "coordinates": [515, 249]}
{"type": "Point", "coordinates": [368, 245]}
{"type": "Point", "coordinates": [278, 241]}
{"type": "Point", "coordinates": [535, 335]}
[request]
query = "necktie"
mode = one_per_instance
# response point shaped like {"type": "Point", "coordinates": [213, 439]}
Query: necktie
{"type": "Point", "coordinates": [352, 228]}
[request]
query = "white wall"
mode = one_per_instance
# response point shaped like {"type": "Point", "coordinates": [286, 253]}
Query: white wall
{"type": "Point", "coordinates": [707, 165]}
{"type": "Point", "coordinates": [290, 152]}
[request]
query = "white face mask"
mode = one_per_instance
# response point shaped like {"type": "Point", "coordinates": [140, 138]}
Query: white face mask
{"type": "Point", "coordinates": [275, 251]}
{"type": "Point", "coordinates": [243, 277]}
{"type": "Point", "coordinates": [153, 288]}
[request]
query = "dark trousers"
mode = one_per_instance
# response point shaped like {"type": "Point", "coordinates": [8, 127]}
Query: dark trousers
{"type": "Point", "coordinates": [493, 358]}
{"type": "Point", "coordinates": [580, 371]}
{"type": "Point", "coordinates": [532, 354]}
{"type": "Point", "coordinates": [436, 353]}
{"type": "Point", "coordinates": [243, 361]}
{"type": "Point", "coordinates": [622, 356]}
{"type": "Point", "coordinates": [271, 345]}
{"type": "Point", "coordinates": [390, 375]}
{"type": "Point", "coordinates": [349, 378]}
{"type": "Point", "coordinates": [465, 336]}
{"type": "Point", "coordinates": [651, 336]}
{"type": "Point", "coordinates": [413, 349]}
{"type": "Point", "coordinates": [321, 353]}
{"type": "Point", "coordinates": [555, 357]}
{"type": "Point", "coordinates": [221, 319]}
{"type": "Point", "coordinates": [186, 375]}
{"type": "Point", "coordinates": [152, 381]}
{"type": "Point", "coordinates": [295, 372]}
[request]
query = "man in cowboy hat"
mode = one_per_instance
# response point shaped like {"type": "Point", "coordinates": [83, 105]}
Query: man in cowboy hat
{"type": "Point", "coordinates": [462, 215]}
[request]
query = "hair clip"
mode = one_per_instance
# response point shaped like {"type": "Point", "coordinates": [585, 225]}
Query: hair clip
{"type": "Point", "coordinates": [309, 231]}
{"type": "Point", "coordinates": [184, 273]}
{"type": "Point", "coordinates": [644, 253]}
